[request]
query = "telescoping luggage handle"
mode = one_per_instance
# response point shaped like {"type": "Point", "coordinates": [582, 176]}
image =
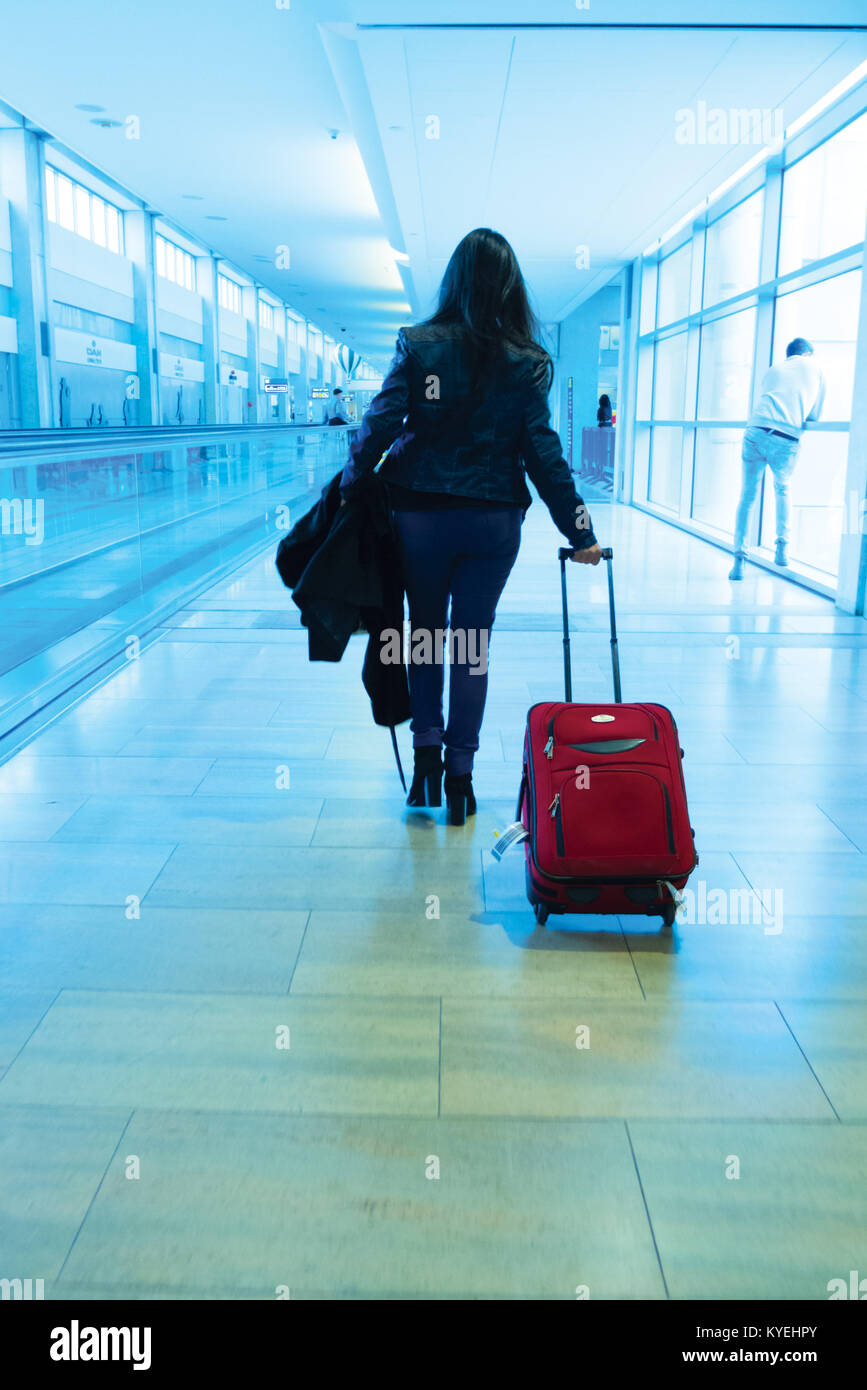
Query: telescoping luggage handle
{"type": "Point", "coordinates": [608, 556]}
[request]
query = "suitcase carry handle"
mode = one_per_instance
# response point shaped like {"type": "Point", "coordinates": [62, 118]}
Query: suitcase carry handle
{"type": "Point", "coordinates": [565, 554]}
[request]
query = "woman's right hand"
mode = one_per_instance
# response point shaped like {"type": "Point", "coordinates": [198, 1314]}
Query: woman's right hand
{"type": "Point", "coordinates": [590, 555]}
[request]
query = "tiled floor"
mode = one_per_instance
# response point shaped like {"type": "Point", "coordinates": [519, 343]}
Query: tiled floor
{"type": "Point", "coordinates": [259, 1036]}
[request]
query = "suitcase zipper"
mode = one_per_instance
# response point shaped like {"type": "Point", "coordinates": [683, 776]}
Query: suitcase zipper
{"type": "Point", "coordinates": [554, 810]}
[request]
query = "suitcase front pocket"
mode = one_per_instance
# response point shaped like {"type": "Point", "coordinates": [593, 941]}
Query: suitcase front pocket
{"type": "Point", "coordinates": [578, 731]}
{"type": "Point", "coordinates": [622, 813]}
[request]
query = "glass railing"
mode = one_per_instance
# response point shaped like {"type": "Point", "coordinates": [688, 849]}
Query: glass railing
{"type": "Point", "coordinates": [101, 537]}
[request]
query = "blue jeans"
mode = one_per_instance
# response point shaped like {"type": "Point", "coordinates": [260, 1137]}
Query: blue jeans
{"type": "Point", "coordinates": [464, 555]}
{"type": "Point", "coordinates": [759, 450]}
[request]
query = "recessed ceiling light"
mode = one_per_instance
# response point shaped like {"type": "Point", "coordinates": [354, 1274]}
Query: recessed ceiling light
{"type": "Point", "coordinates": [396, 127]}
{"type": "Point", "coordinates": [193, 197]}
{"type": "Point", "coordinates": [86, 106]}
{"type": "Point", "coordinates": [105, 123]}
{"type": "Point", "coordinates": [215, 217]}
{"type": "Point", "coordinates": [266, 260]}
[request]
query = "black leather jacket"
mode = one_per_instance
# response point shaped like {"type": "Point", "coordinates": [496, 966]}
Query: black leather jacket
{"type": "Point", "coordinates": [443, 438]}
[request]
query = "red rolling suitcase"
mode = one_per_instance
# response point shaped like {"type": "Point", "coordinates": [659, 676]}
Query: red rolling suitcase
{"type": "Point", "coordinates": [603, 800]}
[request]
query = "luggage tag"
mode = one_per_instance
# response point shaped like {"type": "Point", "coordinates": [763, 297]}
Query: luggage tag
{"type": "Point", "coordinates": [676, 894]}
{"type": "Point", "coordinates": [512, 835]}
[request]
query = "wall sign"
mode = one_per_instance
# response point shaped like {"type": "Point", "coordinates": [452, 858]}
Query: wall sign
{"type": "Point", "coordinates": [89, 351]}
{"type": "Point", "coordinates": [181, 368]}
{"type": "Point", "coordinates": [233, 376]}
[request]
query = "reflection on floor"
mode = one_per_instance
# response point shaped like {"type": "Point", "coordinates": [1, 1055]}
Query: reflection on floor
{"type": "Point", "coordinates": [260, 1036]}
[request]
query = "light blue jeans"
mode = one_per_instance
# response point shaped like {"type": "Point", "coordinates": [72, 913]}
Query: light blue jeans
{"type": "Point", "coordinates": [759, 450]}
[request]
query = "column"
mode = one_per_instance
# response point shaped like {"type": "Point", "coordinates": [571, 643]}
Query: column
{"type": "Point", "coordinates": [22, 178]}
{"type": "Point", "coordinates": [138, 234]}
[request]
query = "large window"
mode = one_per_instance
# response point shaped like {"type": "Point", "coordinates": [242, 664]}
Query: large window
{"type": "Point", "coordinates": [74, 207]}
{"type": "Point", "coordinates": [825, 199]}
{"type": "Point", "coordinates": [266, 314]}
{"type": "Point", "coordinates": [746, 282]}
{"type": "Point", "coordinates": [229, 294]}
{"type": "Point", "coordinates": [175, 264]}
{"type": "Point", "coordinates": [732, 251]}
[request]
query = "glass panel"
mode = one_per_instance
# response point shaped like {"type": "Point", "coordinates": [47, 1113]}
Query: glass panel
{"type": "Point", "coordinates": [817, 495]}
{"type": "Point", "coordinates": [674, 286]}
{"type": "Point", "coordinates": [65, 203]}
{"type": "Point", "coordinates": [161, 256]}
{"type": "Point", "coordinates": [647, 313]}
{"type": "Point", "coordinates": [189, 277]}
{"type": "Point", "coordinates": [826, 314]}
{"type": "Point", "coordinates": [97, 212]}
{"type": "Point", "coordinates": [666, 452]}
{"type": "Point", "coordinates": [50, 194]}
{"type": "Point", "coordinates": [825, 199]}
{"type": "Point", "coordinates": [726, 366]}
{"type": "Point", "coordinates": [111, 227]}
{"type": "Point", "coordinates": [732, 254]}
{"type": "Point", "coordinates": [669, 381]}
{"type": "Point", "coordinates": [82, 211]}
{"type": "Point", "coordinates": [717, 479]}
{"type": "Point", "coordinates": [645, 382]}
{"type": "Point", "coordinates": [139, 526]}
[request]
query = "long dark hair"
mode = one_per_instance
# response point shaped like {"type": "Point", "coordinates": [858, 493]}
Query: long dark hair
{"type": "Point", "coordinates": [483, 290]}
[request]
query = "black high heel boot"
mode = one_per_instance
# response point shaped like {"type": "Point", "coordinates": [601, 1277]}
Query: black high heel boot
{"type": "Point", "coordinates": [460, 798]}
{"type": "Point", "coordinates": [427, 777]}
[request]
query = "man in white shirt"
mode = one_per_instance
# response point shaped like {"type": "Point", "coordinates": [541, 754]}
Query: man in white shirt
{"type": "Point", "coordinates": [792, 395]}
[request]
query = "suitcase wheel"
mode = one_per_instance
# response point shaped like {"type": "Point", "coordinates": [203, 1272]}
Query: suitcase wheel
{"type": "Point", "coordinates": [669, 913]}
{"type": "Point", "coordinates": [540, 912]}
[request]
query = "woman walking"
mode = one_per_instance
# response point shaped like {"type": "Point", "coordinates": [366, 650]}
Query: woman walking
{"type": "Point", "coordinates": [463, 413]}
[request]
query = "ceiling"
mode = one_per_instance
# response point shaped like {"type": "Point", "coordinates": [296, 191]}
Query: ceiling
{"type": "Point", "coordinates": [559, 137]}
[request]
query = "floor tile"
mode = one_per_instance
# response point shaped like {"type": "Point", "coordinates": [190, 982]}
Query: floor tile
{"type": "Point", "coordinates": [480, 955]}
{"type": "Point", "coordinates": [20, 1012]}
{"type": "Point", "coordinates": [794, 1218]}
{"type": "Point", "coordinates": [220, 1052]}
{"type": "Point", "coordinates": [345, 1206]}
{"type": "Point", "coordinates": [833, 1036]}
{"type": "Point", "coordinates": [202, 820]}
{"type": "Point", "coordinates": [85, 873]}
{"type": "Point", "coordinates": [29, 816]}
{"type": "Point", "coordinates": [65, 775]}
{"type": "Point", "coordinates": [680, 1060]}
{"type": "Point", "coordinates": [165, 948]}
{"type": "Point", "coordinates": [51, 1163]}
{"type": "Point", "coordinates": [198, 875]}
